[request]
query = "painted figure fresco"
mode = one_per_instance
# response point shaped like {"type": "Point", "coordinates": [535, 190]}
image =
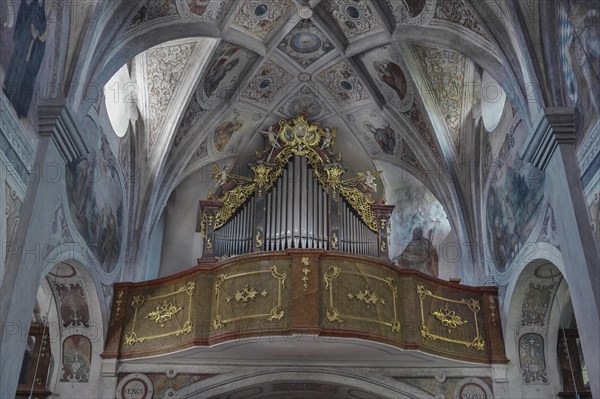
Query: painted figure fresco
{"type": "Point", "coordinates": [153, 9]}
{"type": "Point", "coordinates": [420, 254]}
{"type": "Point", "coordinates": [415, 7]}
{"type": "Point", "coordinates": [225, 130]}
{"type": "Point", "coordinates": [73, 306]}
{"type": "Point", "coordinates": [392, 75]}
{"type": "Point", "coordinates": [417, 217]}
{"type": "Point", "coordinates": [512, 206]}
{"type": "Point", "coordinates": [198, 7]}
{"type": "Point", "coordinates": [77, 355]}
{"type": "Point", "coordinates": [7, 17]}
{"type": "Point", "coordinates": [223, 61]}
{"type": "Point", "coordinates": [96, 203]}
{"type": "Point", "coordinates": [385, 137]}
{"type": "Point", "coordinates": [30, 34]}
{"type": "Point", "coordinates": [579, 36]}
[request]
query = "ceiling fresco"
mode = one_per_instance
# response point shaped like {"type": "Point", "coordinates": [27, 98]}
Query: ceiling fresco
{"type": "Point", "coordinates": [223, 73]}
{"type": "Point", "coordinates": [390, 77]}
{"type": "Point", "coordinates": [305, 102]}
{"type": "Point", "coordinates": [343, 84]}
{"type": "Point", "coordinates": [204, 10]}
{"type": "Point", "coordinates": [165, 66]}
{"type": "Point", "coordinates": [305, 44]}
{"type": "Point", "coordinates": [341, 63]}
{"type": "Point", "coordinates": [353, 17]}
{"type": "Point", "coordinates": [260, 18]}
{"type": "Point", "coordinates": [444, 72]}
{"type": "Point", "coordinates": [232, 132]}
{"type": "Point", "coordinates": [269, 80]}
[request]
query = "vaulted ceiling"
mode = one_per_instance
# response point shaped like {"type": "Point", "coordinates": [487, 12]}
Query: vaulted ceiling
{"type": "Point", "coordinates": [400, 81]}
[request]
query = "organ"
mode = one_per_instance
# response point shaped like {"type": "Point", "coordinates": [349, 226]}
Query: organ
{"type": "Point", "coordinates": [296, 198]}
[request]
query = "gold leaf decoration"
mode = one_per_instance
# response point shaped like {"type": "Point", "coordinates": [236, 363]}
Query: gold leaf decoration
{"type": "Point", "coordinates": [163, 313]}
{"type": "Point", "coordinates": [367, 296]}
{"type": "Point", "coordinates": [448, 318]}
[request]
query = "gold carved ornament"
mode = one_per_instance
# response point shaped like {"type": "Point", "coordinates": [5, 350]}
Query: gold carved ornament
{"type": "Point", "coordinates": [162, 314]}
{"type": "Point", "coordinates": [493, 308]}
{"type": "Point", "coordinates": [119, 301]}
{"type": "Point", "coordinates": [367, 296]}
{"type": "Point", "coordinates": [248, 294]}
{"type": "Point", "coordinates": [298, 137]}
{"type": "Point", "coordinates": [305, 271]}
{"type": "Point", "coordinates": [449, 319]}
{"type": "Point", "coordinates": [232, 200]}
{"type": "Point", "coordinates": [259, 240]}
{"type": "Point", "coordinates": [334, 241]}
{"type": "Point", "coordinates": [203, 225]}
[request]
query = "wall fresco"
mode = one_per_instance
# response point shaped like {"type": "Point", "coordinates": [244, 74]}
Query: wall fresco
{"type": "Point", "coordinates": [77, 356]}
{"type": "Point", "coordinates": [96, 203]}
{"type": "Point", "coordinates": [514, 197]}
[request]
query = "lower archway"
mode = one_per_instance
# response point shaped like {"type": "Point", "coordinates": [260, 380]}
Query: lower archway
{"type": "Point", "coordinates": [302, 384]}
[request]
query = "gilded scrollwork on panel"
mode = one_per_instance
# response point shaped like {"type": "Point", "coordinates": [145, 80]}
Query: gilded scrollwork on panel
{"type": "Point", "coordinates": [266, 308]}
{"type": "Point", "coordinates": [450, 318]}
{"type": "Point", "coordinates": [380, 294]}
{"type": "Point", "coordinates": [162, 311]}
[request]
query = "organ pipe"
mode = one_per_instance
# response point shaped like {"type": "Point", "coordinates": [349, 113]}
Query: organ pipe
{"type": "Point", "coordinates": [297, 214]}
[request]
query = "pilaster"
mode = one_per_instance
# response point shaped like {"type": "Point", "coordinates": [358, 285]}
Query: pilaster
{"type": "Point", "coordinates": [551, 148]}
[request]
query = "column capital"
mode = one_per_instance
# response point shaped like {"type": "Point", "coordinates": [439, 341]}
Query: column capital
{"type": "Point", "coordinates": [555, 126]}
{"type": "Point", "coordinates": [56, 121]}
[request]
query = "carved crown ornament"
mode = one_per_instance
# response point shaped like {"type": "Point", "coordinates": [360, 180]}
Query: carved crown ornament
{"type": "Point", "coordinates": [301, 138]}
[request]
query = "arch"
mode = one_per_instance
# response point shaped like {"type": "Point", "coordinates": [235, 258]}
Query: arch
{"type": "Point", "coordinates": [78, 317]}
{"type": "Point", "coordinates": [224, 384]}
{"type": "Point", "coordinates": [539, 308]}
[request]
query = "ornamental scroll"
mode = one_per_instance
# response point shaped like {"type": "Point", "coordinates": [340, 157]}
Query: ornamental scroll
{"type": "Point", "coordinates": [248, 295]}
{"type": "Point", "coordinates": [167, 314]}
{"type": "Point", "coordinates": [450, 320]}
{"type": "Point", "coordinates": [361, 296]}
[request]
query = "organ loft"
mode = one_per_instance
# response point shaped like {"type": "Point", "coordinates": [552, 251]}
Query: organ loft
{"type": "Point", "coordinates": [300, 199]}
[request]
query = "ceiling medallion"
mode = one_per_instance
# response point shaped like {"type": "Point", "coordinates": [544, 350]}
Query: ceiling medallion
{"type": "Point", "coordinates": [305, 12]}
{"type": "Point", "coordinates": [304, 77]}
{"type": "Point", "coordinates": [354, 17]}
{"type": "Point", "coordinates": [261, 10]}
{"type": "Point", "coordinates": [305, 43]}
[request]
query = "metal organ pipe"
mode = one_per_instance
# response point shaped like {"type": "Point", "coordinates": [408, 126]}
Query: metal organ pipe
{"type": "Point", "coordinates": [296, 216]}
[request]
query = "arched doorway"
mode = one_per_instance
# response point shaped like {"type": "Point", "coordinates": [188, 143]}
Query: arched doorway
{"type": "Point", "coordinates": [541, 336]}
{"type": "Point", "coordinates": [65, 337]}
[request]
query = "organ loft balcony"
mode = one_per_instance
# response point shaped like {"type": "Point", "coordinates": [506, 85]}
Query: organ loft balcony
{"type": "Point", "coordinates": [295, 268]}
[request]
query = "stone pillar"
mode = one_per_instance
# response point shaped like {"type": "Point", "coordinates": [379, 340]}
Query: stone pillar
{"type": "Point", "coordinates": [551, 148]}
{"type": "Point", "coordinates": [383, 214]}
{"type": "Point", "coordinates": [59, 144]}
{"type": "Point", "coordinates": [208, 217]}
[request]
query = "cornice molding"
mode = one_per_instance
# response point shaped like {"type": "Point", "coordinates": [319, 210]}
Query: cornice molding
{"type": "Point", "coordinates": [556, 126]}
{"type": "Point", "coordinates": [56, 120]}
{"type": "Point", "coordinates": [17, 149]}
